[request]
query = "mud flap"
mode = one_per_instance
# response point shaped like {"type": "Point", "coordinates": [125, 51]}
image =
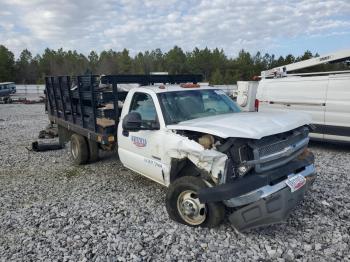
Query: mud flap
{"type": "Point", "coordinates": [271, 210]}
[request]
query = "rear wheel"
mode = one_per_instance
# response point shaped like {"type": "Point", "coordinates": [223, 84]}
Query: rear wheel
{"type": "Point", "coordinates": [93, 151]}
{"type": "Point", "coordinates": [79, 149]}
{"type": "Point", "coordinates": [183, 205]}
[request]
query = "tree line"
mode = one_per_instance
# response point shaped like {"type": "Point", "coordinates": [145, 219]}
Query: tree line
{"type": "Point", "coordinates": [213, 64]}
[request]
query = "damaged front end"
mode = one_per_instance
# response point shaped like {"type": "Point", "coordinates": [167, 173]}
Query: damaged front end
{"type": "Point", "coordinates": [262, 199]}
{"type": "Point", "coordinates": [253, 177]}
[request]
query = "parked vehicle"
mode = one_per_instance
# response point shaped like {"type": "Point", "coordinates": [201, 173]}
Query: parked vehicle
{"type": "Point", "coordinates": [6, 89]}
{"type": "Point", "coordinates": [192, 139]}
{"type": "Point", "coordinates": [326, 98]}
{"type": "Point", "coordinates": [323, 95]}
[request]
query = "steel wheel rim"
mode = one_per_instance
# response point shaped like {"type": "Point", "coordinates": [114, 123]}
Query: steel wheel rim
{"type": "Point", "coordinates": [74, 149]}
{"type": "Point", "coordinates": [190, 209]}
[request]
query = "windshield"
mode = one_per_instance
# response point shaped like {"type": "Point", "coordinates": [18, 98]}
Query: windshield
{"type": "Point", "coordinates": [180, 106]}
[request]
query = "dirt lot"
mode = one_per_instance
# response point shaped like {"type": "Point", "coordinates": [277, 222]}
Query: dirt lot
{"type": "Point", "coordinates": [53, 210]}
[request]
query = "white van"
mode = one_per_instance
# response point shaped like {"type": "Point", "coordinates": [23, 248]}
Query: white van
{"type": "Point", "coordinates": [326, 98]}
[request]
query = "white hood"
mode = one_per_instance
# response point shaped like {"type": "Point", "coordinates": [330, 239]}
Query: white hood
{"type": "Point", "coordinates": [254, 125]}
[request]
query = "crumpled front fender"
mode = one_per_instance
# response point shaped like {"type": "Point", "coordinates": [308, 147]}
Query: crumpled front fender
{"type": "Point", "coordinates": [209, 160]}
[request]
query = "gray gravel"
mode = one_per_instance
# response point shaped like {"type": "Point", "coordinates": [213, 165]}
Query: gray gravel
{"type": "Point", "coordinates": [53, 210]}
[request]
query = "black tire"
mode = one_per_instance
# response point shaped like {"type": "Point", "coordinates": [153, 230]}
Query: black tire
{"type": "Point", "coordinates": [215, 211]}
{"type": "Point", "coordinates": [64, 135]}
{"type": "Point", "coordinates": [79, 149]}
{"type": "Point", "coordinates": [93, 151]}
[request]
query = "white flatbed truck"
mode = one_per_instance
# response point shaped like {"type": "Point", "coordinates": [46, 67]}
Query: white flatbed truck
{"type": "Point", "coordinates": [192, 139]}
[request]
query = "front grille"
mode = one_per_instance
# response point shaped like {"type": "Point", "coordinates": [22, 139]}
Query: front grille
{"type": "Point", "coordinates": [280, 145]}
{"type": "Point", "coordinates": [271, 152]}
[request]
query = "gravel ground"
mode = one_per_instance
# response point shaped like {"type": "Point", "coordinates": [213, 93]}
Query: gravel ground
{"type": "Point", "coordinates": [53, 210]}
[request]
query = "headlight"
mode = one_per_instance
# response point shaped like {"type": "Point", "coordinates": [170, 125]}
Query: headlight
{"type": "Point", "coordinates": [243, 169]}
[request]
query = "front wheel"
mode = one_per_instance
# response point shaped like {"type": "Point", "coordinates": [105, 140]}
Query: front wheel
{"type": "Point", "coordinates": [183, 205]}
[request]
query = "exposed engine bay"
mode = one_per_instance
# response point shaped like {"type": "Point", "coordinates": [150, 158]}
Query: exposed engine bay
{"type": "Point", "coordinates": [250, 156]}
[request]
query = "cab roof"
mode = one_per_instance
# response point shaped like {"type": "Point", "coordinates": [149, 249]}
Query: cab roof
{"type": "Point", "coordinates": [160, 88]}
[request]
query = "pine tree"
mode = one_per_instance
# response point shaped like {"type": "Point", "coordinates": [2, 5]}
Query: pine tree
{"type": "Point", "coordinates": [216, 78]}
{"type": "Point", "coordinates": [7, 65]}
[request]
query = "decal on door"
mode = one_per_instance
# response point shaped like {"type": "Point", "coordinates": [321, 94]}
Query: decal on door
{"type": "Point", "coordinates": [139, 141]}
{"type": "Point", "coordinates": [153, 163]}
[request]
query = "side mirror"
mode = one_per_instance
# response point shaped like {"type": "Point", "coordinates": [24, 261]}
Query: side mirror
{"type": "Point", "coordinates": [155, 125]}
{"type": "Point", "coordinates": [132, 122]}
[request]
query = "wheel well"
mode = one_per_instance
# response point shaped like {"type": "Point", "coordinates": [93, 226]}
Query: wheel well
{"type": "Point", "coordinates": [182, 167]}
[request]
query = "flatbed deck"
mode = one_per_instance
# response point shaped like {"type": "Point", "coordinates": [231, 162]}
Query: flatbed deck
{"type": "Point", "coordinates": [90, 105]}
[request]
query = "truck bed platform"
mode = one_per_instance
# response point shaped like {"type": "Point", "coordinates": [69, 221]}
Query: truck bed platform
{"type": "Point", "coordinates": [88, 104]}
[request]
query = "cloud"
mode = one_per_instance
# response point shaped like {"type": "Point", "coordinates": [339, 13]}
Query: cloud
{"type": "Point", "coordinates": [143, 25]}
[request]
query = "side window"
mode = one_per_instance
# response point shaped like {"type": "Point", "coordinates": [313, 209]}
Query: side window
{"type": "Point", "coordinates": [143, 104]}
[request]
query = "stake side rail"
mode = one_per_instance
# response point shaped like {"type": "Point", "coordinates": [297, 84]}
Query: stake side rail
{"type": "Point", "coordinates": [88, 104]}
{"type": "Point", "coordinates": [78, 104]}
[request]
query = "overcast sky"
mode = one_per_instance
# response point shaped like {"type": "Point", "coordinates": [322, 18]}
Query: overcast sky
{"type": "Point", "coordinates": [273, 26]}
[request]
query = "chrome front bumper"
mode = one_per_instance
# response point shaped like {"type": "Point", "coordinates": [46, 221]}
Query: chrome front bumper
{"type": "Point", "coordinates": [309, 173]}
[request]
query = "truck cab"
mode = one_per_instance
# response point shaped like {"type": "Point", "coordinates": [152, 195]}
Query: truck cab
{"type": "Point", "coordinates": [211, 156]}
{"type": "Point", "coordinates": [203, 133]}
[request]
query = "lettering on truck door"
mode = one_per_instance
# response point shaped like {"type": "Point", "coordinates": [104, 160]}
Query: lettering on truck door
{"type": "Point", "coordinates": [141, 150]}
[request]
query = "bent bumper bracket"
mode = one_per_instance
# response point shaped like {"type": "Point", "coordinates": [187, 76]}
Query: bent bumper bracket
{"type": "Point", "coordinates": [270, 210]}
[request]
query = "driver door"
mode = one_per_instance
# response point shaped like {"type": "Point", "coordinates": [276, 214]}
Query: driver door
{"type": "Point", "coordinates": [140, 150]}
